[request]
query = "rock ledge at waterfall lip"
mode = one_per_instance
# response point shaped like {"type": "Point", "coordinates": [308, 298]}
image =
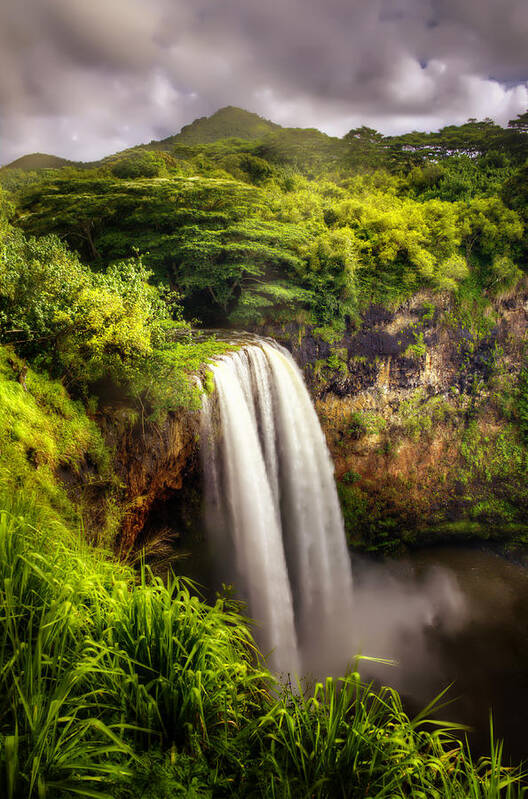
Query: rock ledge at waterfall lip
{"type": "Point", "coordinates": [235, 337]}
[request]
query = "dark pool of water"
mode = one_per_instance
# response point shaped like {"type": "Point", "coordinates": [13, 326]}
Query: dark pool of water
{"type": "Point", "coordinates": [452, 615]}
{"type": "Point", "coordinates": [446, 616]}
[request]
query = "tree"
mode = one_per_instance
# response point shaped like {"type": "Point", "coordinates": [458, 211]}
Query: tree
{"type": "Point", "coordinates": [204, 235]}
{"type": "Point", "coordinates": [140, 164]}
{"type": "Point", "coordinates": [39, 278]}
{"type": "Point", "coordinates": [520, 123]}
{"type": "Point", "coordinates": [365, 148]}
{"type": "Point", "coordinates": [78, 324]}
{"type": "Point", "coordinates": [489, 228]}
{"type": "Point", "coordinates": [223, 262]}
{"type": "Point", "coordinates": [332, 274]}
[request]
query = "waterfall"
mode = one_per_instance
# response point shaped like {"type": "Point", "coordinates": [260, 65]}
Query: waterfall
{"type": "Point", "coordinates": [272, 507]}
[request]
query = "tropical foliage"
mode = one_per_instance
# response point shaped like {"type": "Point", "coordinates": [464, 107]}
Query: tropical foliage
{"type": "Point", "coordinates": [338, 222]}
{"type": "Point", "coordinates": [124, 687]}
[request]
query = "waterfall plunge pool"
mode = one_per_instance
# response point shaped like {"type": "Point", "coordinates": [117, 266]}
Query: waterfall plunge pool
{"type": "Point", "coordinates": [447, 616]}
{"type": "Point", "coordinates": [452, 616]}
{"type": "Point", "coordinates": [443, 615]}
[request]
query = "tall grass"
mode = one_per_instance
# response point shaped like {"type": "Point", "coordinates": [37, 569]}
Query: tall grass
{"type": "Point", "coordinates": [349, 740]}
{"type": "Point", "coordinates": [114, 683]}
{"type": "Point", "coordinates": [50, 741]}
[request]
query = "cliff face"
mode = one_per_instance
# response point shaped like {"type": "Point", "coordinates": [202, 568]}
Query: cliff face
{"type": "Point", "coordinates": [155, 463]}
{"type": "Point", "coordinates": [419, 407]}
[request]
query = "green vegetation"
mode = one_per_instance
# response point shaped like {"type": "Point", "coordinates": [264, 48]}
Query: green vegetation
{"type": "Point", "coordinates": [243, 217]}
{"type": "Point", "coordinates": [419, 348]}
{"type": "Point", "coordinates": [446, 464]}
{"type": "Point", "coordinates": [93, 329]}
{"type": "Point", "coordinates": [114, 683]}
{"type": "Point", "coordinates": [73, 342]}
{"type": "Point", "coordinates": [36, 161]}
{"type": "Point", "coordinates": [419, 414]}
{"type": "Point", "coordinates": [139, 165]}
{"type": "Point", "coordinates": [226, 123]}
{"type": "Point", "coordinates": [125, 686]}
{"type": "Point", "coordinates": [43, 432]}
{"type": "Point", "coordinates": [239, 222]}
{"type": "Point", "coordinates": [522, 404]}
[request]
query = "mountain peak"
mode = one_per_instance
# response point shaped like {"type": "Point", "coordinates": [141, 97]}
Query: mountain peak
{"type": "Point", "coordinates": [35, 161]}
{"type": "Point", "coordinates": [227, 122]}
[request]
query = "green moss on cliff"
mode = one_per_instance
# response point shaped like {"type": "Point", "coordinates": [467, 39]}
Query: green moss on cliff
{"type": "Point", "coordinates": [47, 442]}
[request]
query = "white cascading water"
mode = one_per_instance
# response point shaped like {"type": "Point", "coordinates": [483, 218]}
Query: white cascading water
{"type": "Point", "coordinates": [272, 506]}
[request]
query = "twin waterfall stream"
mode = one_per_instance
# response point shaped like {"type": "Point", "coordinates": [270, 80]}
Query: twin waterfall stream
{"type": "Point", "coordinates": [272, 509]}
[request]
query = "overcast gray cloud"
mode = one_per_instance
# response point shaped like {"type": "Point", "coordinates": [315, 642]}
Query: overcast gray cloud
{"type": "Point", "coordinates": [83, 79]}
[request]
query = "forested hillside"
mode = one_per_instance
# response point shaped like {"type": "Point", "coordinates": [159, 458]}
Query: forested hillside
{"type": "Point", "coordinates": [346, 250]}
{"type": "Point", "coordinates": [295, 220]}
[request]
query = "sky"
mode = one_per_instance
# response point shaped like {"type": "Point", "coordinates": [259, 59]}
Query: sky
{"type": "Point", "coordinates": [86, 78]}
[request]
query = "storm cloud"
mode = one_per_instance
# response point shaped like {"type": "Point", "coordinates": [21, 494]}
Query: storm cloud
{"type": "Point", "coordinates": [85, 79]}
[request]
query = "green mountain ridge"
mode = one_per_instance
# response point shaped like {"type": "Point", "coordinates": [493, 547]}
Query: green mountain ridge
{"type": "Point", "coordinates": [33, 161]}
{"type": "Point", "coordinates": [228, 122]}
{"type": "Point", "coordinates": [247, 131]}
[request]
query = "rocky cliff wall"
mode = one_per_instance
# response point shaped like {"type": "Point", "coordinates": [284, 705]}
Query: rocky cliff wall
{"type": "Point", "coordinates": [157, 463]}
{"type": "Point", "coordinates": [420, 407]}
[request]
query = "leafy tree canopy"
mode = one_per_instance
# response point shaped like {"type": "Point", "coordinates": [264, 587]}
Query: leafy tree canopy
{"type": "Point", "coordinates": [338, 223]}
